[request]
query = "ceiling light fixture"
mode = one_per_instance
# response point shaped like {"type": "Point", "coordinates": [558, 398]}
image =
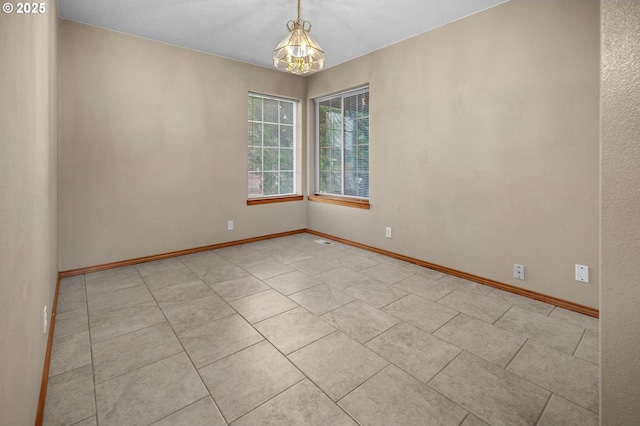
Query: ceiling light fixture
{"type": "Point", "coordinates": [298, 53]}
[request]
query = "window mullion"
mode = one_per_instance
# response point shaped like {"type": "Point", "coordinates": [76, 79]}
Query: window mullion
{"type": "Point", "coordinates": [262, 140]}
{"type": "Point", "coordinates": [279, 154]}
{"type": "Point", "coordinates": [342, 145]}
{"type": "Point", "coordinates": [317, 124]}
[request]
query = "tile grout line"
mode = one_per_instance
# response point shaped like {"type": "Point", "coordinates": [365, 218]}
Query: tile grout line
{"type": "Point", "coordinates": [186, 406]}
{"type": "Point", "coordinates": [444, 396]}
{"type": "Point", "coordinates": [546, 406]}
{"type": "Point", "coordinates": [562, 396]}
{"type": "Point", "coordinates": [443, 325]}
{"type": "Point", "coordinates": [269, 399]}
{"type": "Point", "coordinates": [469, 414]}
{"type": "Point", "coordinates": [183, 350]}
{"type": "Point", "coordinates": [400, 321]}
{"type": "Point", "coordinates": [311, 343]}
{"type": "Point", "coordinates": [265, 339]}
{"type": "Point", "coordinates": [411, 374]}
{"type": "Point", "coordinates": [93, 370]}
{"type": "Point", "coordinates": [469, 411]}
{"type": "Point", "coordinates": [443, 368]}
{"type": "Point", "coordinates": [140, 329]}
{"type": "Point", "coordinates": [230, 355]}
{"type": "Point", "coordinates": [501, 316]}
{"type": "Point", "coordinates": [543, 386]}
{"type": "Point", "coordinates": [317, 386]}
{"type": "Point", "coordinates": [515, 355]}
{"type": "Point", "coordinates": [578, 345]}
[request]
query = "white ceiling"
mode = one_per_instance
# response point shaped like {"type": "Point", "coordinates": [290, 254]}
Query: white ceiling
{"type": "Point", "coordinates": [248, 30]}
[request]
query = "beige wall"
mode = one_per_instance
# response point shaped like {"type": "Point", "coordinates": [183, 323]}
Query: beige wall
{"type": "Point", "coordinates": [153, 153]}
{"type": "Point", "coordinates": [484, 146]}
{"type": "Point", "coordinates": [620, 214]}
{"type": "Point", "coordinates": [28, 224]}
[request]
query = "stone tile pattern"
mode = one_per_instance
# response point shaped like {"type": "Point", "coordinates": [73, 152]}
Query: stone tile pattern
{"type": "Point", "coordinates": [289, 331]}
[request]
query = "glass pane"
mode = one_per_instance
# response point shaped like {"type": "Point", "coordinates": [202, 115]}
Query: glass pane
{"type": "Point", "coordinates": [324, 162]}
{"type": "Point", "coordinates": [286, 159]}
{"type": "Point", "coordinates": [357, 184]}
{"type": "Point", "coordinates": [336, 160]}
{"type": "Point", "coordinates": [351, 184]}
{"type": "Point", "coordinates": [271, 158]}
{"type": "Point", "coordinates": [323, 180]}
{"type": "Point", "coordinates": [334, 120]}
{"type": "Point", "coordinates": [255, 184]}
{"type": "Point", "coordinates": [363, 185]}
{"type": "Point", "coordinates": [286, 112]}
{"type": "Point", "coordinates": [336, 183]}
{"type": "Point", "coordinates": [336, 103]}
{"type": "Point", "coordinates": [271, 135]}
{"type": "Point", "coordinates": [323, 136]}
{"type": "Point", "coordinates": [349, 132]}
{"type": "Point", "coordinates": [351, 106]}
{"type": "Point", "coordinates": [363, 131]}
{"type": "Point", "coordinates": [363, 104]}
{"type": "Point", "coordinates": [255, 159]}
{"type": "Point", "coordinates": [286, 183]}
{"type": "Point", "coordinates": [270, 183]}
{"type": "Point", "coordinates": [323, 108]}
{"type": "Point", "coordinates": [335, 137]}
{"type": "Point", "coordinates": [323, 185]}
{"type": "Point", "coordinates": [362, 154]}
{"type": "Point", "coordinates": [286, 136]}
{"type": "Point", "coordinates": [255, 134]}
{"type": "Point", "coordinates": [350, 160]}
{"type": "Point", "coordinates": [271, 111]}
{"type": "Point", "coordinates": [255, 108]}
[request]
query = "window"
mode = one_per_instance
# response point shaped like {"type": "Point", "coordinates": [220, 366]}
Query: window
{"type": "Point", "coordinates": [342, 144]}
{"type": "Point", "coordinates": [271, 154]}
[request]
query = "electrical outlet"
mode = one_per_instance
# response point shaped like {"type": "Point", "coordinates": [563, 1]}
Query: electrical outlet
{"type": "Point", "coordinates": [388, 232]}
{"type": "Point", "coordinates": [582, 273]}
{"type": "Point", "coordinates": [230, 225]}
{"type": "Point", "coordinates": [45, 319]}
{"type": "Point", "coordinates": [518, 272]}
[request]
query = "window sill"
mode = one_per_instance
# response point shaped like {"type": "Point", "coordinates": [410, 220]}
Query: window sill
{"type": "Point", "coordinates": [272, 200]}
{"type": "Point", "coordinates": [340, 201]}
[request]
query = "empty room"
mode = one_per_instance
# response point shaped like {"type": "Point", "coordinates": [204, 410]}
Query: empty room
{"type": "Point", "coordinates": [303, 212]}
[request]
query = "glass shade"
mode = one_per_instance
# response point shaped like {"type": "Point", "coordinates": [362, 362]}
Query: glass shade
{"type": "Point", "coordinates": [298, 53]}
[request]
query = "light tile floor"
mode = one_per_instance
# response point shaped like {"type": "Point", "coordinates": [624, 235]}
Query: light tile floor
{"type": "Point", "coordinates": [291, 332]}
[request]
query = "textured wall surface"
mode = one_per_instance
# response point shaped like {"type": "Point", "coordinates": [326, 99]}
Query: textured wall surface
{"type": "Point", "coordinates": [620, 214]}
{"type": "Point", "coordinates": [484, 146]}
{"type": "Point", "coordinates": [28, 212]}
{"type": "Point", "coordinates": [153, 148]}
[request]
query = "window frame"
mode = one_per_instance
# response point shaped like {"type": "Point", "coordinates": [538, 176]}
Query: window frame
{"type": "Point", "coordinates": [332, 198]}
{"type": "Point", "coordinates": [280, 197]}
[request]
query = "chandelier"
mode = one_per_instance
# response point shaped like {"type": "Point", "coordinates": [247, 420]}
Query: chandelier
{"type": "Point", "coordinates": [298, 53]}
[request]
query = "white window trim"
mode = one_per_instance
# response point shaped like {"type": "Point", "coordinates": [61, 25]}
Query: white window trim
{"type": "Point", "coordinates": [296, 172]}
